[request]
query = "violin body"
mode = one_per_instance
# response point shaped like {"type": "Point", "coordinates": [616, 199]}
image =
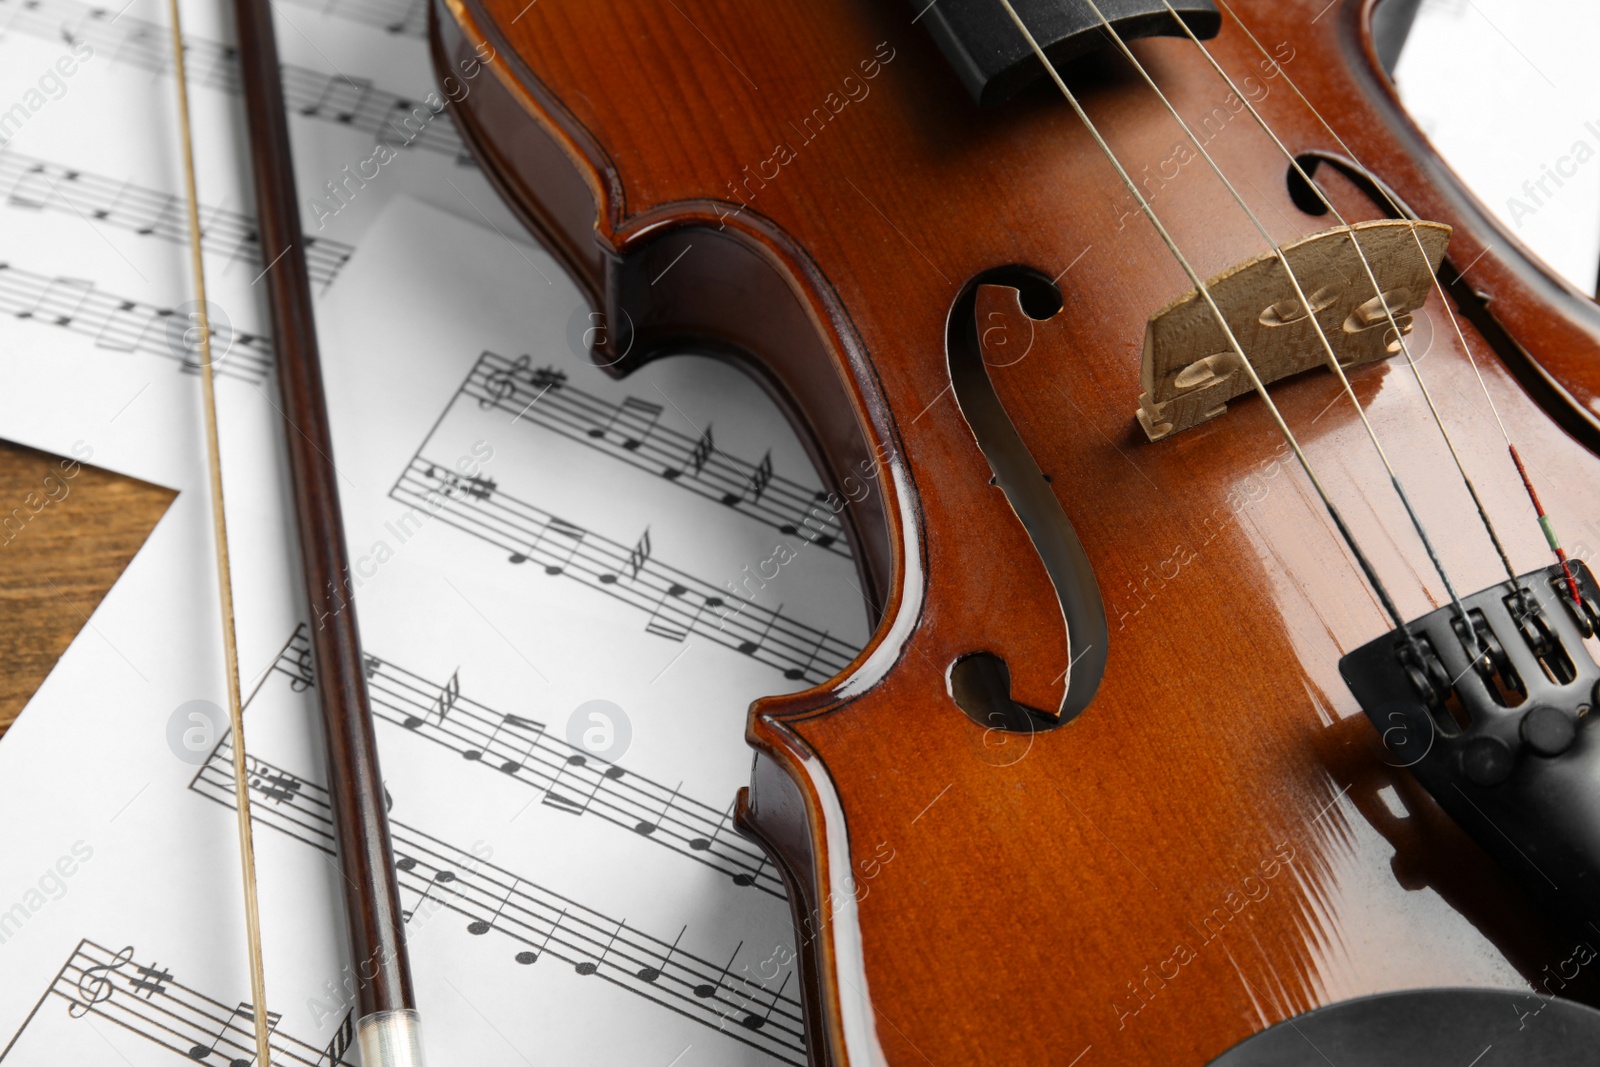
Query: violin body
{"type": "Point", "coordinates": [1217, 842]}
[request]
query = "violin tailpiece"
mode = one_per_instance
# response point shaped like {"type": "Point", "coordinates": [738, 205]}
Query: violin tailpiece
{"type": "Point", "coordinates": [1189, 370]}
{"type": "Point", "coordinates": [1504, 738]}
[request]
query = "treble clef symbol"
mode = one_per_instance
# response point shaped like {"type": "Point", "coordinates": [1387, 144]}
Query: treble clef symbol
{"type": "Point", "coordinates": [94, 986]}
{"type": "Point", "coordinates": [503, 382]}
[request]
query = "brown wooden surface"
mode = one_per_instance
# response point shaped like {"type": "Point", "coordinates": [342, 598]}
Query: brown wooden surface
{"type": "Point", "coordinates": [1031, 903]}
{"type": "Point", "coordinates": [64, 559]}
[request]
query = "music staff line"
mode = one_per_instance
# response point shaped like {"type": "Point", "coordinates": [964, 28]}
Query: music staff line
{"type": "Point", "coordinates": [572, 782]}
{"type": "Point", "coordinates": [675, 603]}
{"type": "Point", "coordinates": [145, 999]}
{"type": "Point", "coordinates": [121, 325]}
{"type": "Point", "coordinates": [36, 184]}
{"type": "Point", "coordinates": [543, 922]}
{"type": "Point", "coordinates": [404, 18]}
{"type": "Point", "coordinates": [630, 431]}
{"type": "Point", "coordinates": [353, 102]}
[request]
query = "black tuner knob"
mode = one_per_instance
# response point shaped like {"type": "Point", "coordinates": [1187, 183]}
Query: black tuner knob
{"type": "Point", "coordinates": [1548, 731]}
{"type": "Point", "coordinates": [1487, 760]}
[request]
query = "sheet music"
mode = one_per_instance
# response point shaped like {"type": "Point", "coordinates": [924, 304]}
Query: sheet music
{"type": "Point", "coordinates": [603, 883]}
{"type": "Point", "coordinates": [577, 892]}
{"type": "Point", "coordinates": [101, 990]}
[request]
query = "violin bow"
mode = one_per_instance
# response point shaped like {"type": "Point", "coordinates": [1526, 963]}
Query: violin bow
{"type": "Point", "coordinates": [388, 1027]}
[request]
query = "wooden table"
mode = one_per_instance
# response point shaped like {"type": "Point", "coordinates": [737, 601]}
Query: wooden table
{"type": "Point", "coordinates": [66, 534]}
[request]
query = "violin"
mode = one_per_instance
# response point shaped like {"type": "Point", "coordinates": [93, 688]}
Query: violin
{"type": "Point", "coordinates": [1198, 434]}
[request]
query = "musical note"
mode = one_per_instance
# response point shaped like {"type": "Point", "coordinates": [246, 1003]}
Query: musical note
{"type": "Point", "coordinates": [697, 456]}
{"type": "Point", "coordinates": [115, 324]}
{"type": "Point", "coordinates": [343, 1038]}
{"type": "Point", "coordinates": [64, 297]}
{"type": "Point", "coordinates": [40, 185]}
{"type": "Point", "coordinates": [248, 1010]}
{"type": "Point", "coordinates": [409, 22]}
{"type": "Point", "coordinates": [586, 968]}
{"type": "Point", "coordinates": [637, 557]}
{"type": "Point", "coordinates": [480, 926]}
{"type": "Point", "coordinates": [631, 431]}
{"type": "Point", "coordinates": [638, 418]}
{"type": "Point", "coordinates": [648, 828]}
{"type": "Point", "coordinates": [563, 531]}
{"type": "Point", "coordinates": [515, 722]}
{"type": "Point", "coordinates": [163, 220]}
{"type": "Point", "coordinates": [751, 1021]}
{"type": "Point", "coordinates": [750, 647]}
{"type": "Point", "coordinates": [350, 94]}
{"type": "Point", "coordinates": [794, 674]}
{"type": "Point", "coordinates": [650, 974]}
{"type": "Point", "coordinates": [526, 957]}
{"type": "Point", "coordinates": [763, 475]}
{"type": "Point", "coordinates": [123, 328]}
{"type": "Point", "coordinates": [759, 480]}
{"type": "Point", "coordinates": [703, 991]}
{"type": "Point", "coordinates": [133, 41]}
{"type": "Point", "coordinates": [449, 695]}
{"type": "Point", "coordinates": [440, 877]}
{"type": "Point", "coordinates": [445, 702]}
{"type": "Point", "coordinates": [702, 844]}
{"type": "Point", "coordinates": [370, 665]}
{"type": "Point", "coordinates": [95, 985]}
{"type": "Point", "coordinates": [554, 798]}
{"type": "Point", "coordinates": [36, 200]}
{"type": "Point", "coordinates": [654, 624]}
{"type": "Point", "coordinates": [749, 879]}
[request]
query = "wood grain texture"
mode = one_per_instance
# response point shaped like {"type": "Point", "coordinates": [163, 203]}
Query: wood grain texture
{"type": "Point", "coordinates": [1216, 843]}
{"type": "Point", "coordinates": [59, 561]}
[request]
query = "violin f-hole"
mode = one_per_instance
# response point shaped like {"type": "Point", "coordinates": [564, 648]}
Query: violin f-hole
{"type": "Point", "coordinates": [971, 347]}
{"type": "Point", "coordinates": [980, 684]}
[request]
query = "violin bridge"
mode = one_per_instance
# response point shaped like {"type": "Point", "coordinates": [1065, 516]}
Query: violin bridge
{"type": "Point", "coordinates": [1190, 372]}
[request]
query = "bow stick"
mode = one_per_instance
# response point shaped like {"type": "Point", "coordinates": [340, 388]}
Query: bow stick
{"type": "Point", "coordinates": [388, 1027]}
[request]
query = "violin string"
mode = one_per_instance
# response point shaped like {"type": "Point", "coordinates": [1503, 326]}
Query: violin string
{"type": "Point", "coordinates": [1233, 342]}
{"type": "Point", "coordinates": [1470, 636]}
{"type": "Point", "coordinates": [1377, 289]}
{"type": "Point", "coordinates": [219, 529]}
{"type": "Point", "coordinates": [1545, 524]}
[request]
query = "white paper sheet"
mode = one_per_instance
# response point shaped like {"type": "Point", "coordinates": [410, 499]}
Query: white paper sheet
{"type": "Point", "coordinates": [622, 919]}
{"type": "Point", "coordinates": [648, 926]}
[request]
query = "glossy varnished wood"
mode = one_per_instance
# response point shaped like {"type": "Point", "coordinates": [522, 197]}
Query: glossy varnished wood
{"type": "Point", "coordinates": [1216, 843]}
